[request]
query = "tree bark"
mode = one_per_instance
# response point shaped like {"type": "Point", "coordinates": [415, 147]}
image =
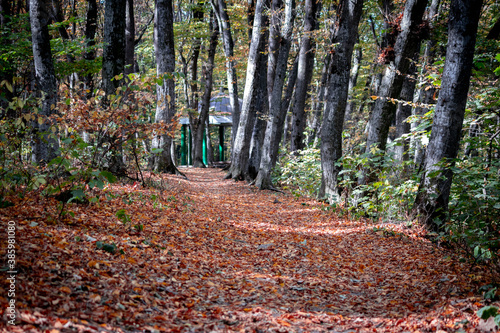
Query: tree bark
{"type": "Point", "coordinates": [431, 203]}
{"type": "Point", "coordinates": [307, 53]}
{"type": "Point", "coordinates": [426, 95]}
{"type": "Point", "coordinates": [232, 77]}
{"type": "Point", "coordinates": [263, 180]}
{"type": "Point", "coordinates": [338, 84]}
{"type": "Point", "coordinates": [241, 146]}
{"type": "Point", "coordinates": [407, 43]}
{"type": "Point", "coordinates": [285, 104]}
{"type": "Point", "coordinates": [129, 37]}
{"type": "Point", "coordinates": [45, 146]}
{"type": "Point", "coordinates": [261, 106]}
{"type": "Point", "coordinates": [165, 93]}
{"type": "Point", "coordinates": [318, 105]}
{"type": "Point", "coordinates": [113, 59]}
{"type": "Point", "coordinates": [353, 79]}
{"type": "Point", "coordinates": [274, 43]}
{"type": "Point", "coordinates": [207, 70]}
{"type": "Point", "coordinates": [403, 111]}
{"type": "Point", "coordinates": [90, 54]}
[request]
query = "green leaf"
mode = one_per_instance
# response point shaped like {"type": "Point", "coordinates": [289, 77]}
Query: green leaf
{"type": "Point", "coordinates": [111, 248]}
{"type": "Point", "coordinates": [490, 294]}
{"type": "Point", "coordinates": [109, 176]}
{"type": "Point", "coordinates": [487, 312]}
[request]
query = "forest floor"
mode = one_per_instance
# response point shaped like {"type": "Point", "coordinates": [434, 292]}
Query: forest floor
{"type": "Point", "coordinates": [216, 255]}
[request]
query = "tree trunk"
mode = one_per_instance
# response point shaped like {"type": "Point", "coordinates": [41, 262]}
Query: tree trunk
{"type": "Point", "coordinates": [338, 85]}
{"type": "Point", "coordinates": [274, 43]}
{"type": "Point", "coordinates": [129, 37]}
{"type": "Point", "coordinates": [241, 146]}
{"type": "Point", "coordinates": [208, 70]}
{"type": "Point", "coordinates": [285, 104]}
{"type": "Point", "coordinates": [407, 43]}
{"type": "Point", "coordinates": [90, 54]}
{"type": "Point", "coordinates": [232, 77]}
{"type": "Point", "coordinates": [403, 111]}
{"type": "Point", "coordinates": [426, 95]}
{"type": "Point", "coordinates": [353, 79]}
{"type": "Point", "coordinates": [307, 53]}
{"type": "Point", "coordinates": [165, 93]}
{"type": "Point", "coordinates": [320, 98]}
{"type": "Point", "coordinates": [45, 146]}
{"type": "Point", "coordinates": [431, 203]}
{"type": "Point", "coordinates": [263, 180]}
{"type": "Point", "coordinates": [113, 59]}
{"type": "Point", "coordinates": [261, 106]}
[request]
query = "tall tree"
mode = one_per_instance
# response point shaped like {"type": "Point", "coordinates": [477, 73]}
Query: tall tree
{"type": "Point", "coordinates": [407, 43]}
{"type": "Point", "coordinates": [349, 14]}
{"type": "Point", "coordinates": [129, 37]}
{"type": "Point", "coordinates": [263, 180]}
{"type": "Point", "coordinates": [165, 92]}
{"type": "Point", "coordinates": [90, 33]}
{"type": "Point", "coordinates": [241, 144]}
{"type": "Point", "coordinates": [45, 146]}
{"type": "Point", "coordinates": [307, 52]}
{"type": "Point", "coordinates": [113, 58]}
{"type": "Point", "coordinates": [427, 92]}
{"type": "Point", "coordinates": [431, 203]}
{"type": "Point", "coordinates": [232, 77]}
{"type": "Point", "coordinates": [207, 73]}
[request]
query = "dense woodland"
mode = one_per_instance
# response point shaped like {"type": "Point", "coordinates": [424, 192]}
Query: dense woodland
{"type": "Point", "coordinates": [386, 110]}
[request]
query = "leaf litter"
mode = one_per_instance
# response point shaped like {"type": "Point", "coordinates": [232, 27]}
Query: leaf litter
{"type": "Point", "coordinates": [215, 255]}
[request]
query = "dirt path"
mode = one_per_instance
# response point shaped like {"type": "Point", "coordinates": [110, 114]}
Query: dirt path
{"type": "Point", "coordinates": [222, 256]}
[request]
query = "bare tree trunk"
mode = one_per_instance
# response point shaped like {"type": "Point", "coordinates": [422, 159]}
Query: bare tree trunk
{"type": "Point", "coordinates": [320, 98]}
{"type": "Point", "coordinates": [45, 146]}
{"type": "Point", "coordinates": [431, 203]}
{"type": "Point", "coordinates": [90, 32]}
{"type": "Point", "coordinates": [241, 146]}
{"type": "Point", "coordinates": [407, 43]}
{"type": "Point", "coordinates": [165, 93]}
{"type": "Point", "coordinates": [274, 43]}
{"type": "Point", "coordinates": [232, 77]}
{"type": "Point", "coordinates": [113, 59]}
{"type": "Point", "coordinates": [403, 111]}
{"type": "Point", "coordinates": [307, 53]}
{"type": "Point", "coordinates": [263, 180]}
{"type": "Point", "coordinates": [261, 106]}
{"type": "Point", "coordinates": [285, 104]}
{"type": "Point", "coordinates": [338, 84]}
{"type": "Point", "coordinates": [353, 79]}
{"type": "Point", "coordinates": [426, 95]}
{"type": "Point", "coordinates": [129, 37]}
{"type": "Point", "coordinates": [208, 71]}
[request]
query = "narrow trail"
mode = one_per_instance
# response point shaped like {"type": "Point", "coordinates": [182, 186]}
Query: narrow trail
{"type": "Point", "coordinates": [222, 256]}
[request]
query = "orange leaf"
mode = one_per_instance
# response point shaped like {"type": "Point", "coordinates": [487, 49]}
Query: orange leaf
{"type": "Point", "coordinates": [65, 289]}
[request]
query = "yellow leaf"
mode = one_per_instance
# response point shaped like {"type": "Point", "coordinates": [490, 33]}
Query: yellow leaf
{"type": "Point", "coordinates": [374, 97]}
{"type": "Point", "coordinates": [247, 309]}
{"type": "Point", "coordinates": [40, 120]}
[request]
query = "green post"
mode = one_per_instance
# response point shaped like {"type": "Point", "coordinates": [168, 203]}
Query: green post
{"type": "Point", "coordinates": [190, 147]}
{"type": "Point", "coordinates": [183, 145]}
{"type": "Point", "coordinates": [204, 146]}
{"type": "Point", "coordinates": [221, 143]}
